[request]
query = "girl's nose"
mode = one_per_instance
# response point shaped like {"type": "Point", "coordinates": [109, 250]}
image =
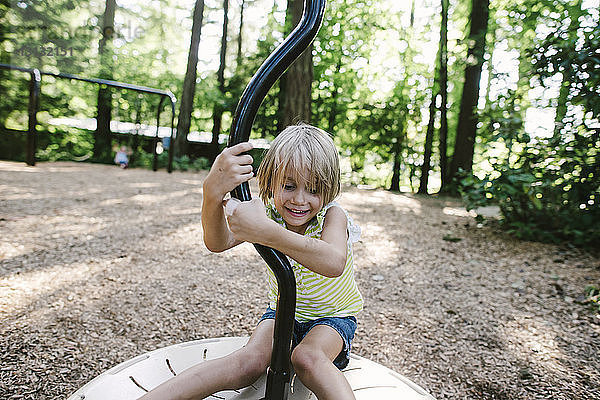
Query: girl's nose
{"type": "Point", "coordinates": [299, 196]}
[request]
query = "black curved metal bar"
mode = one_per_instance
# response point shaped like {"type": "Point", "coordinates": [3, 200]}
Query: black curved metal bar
{"type": "Point", "coordinates": [278, 375]}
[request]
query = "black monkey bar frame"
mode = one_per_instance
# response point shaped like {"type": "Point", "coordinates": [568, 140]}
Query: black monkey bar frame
{"type": "Point", "coordinates": [34, 104]}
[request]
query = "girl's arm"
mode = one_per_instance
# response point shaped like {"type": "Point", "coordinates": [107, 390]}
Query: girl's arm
{"type": "Point", "coordinates": [229, 170]}
{"type": "Point", "coordinates": [325, 256]}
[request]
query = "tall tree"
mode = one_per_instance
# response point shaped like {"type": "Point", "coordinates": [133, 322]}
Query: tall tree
{"type": "Point", "coordinates": [428, 148]}
{"type": "Point", "coordinates": [281, 95]}
{"type": "Point", "coordinates": [466, 130]}
{"type": "Point", "coordinates": [189, 82]}
{"type": "Point", "coordinates": [238, 57]}
{"type": "Point", "coordinates": [298, 78]}
{"type": "Point", "coordinates": [437, 85]}
{"type": "Point", "coordinates": [574, 12]}
{"type": "Point", "coordinates": [400, 134]}
{"type": "Point", "coordinates": [219, 105]}
{"type": "Point", "coordinates": [102, 143]}
{"type": "Point", "coordinates": [443, 137]}
{"type": "Point", "coordinates": [345, 36]}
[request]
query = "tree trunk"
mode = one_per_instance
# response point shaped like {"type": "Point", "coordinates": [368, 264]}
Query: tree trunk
{"type": "Point", "coordinates": [466, 130]}
{"type": "Point", "coordinates": [437, 85]}
{"type": "Point", "coordinates": [334, 95]}
{"type": "Point", "coordinates": [490, 67]}
{"type": "Point", "coordinates": [401, 132]}
{"type": "Point", "coordinates": [218, 108]}
{"type": "Point", "coordinates": [239, 41]}
{"type": "Point", "coordinates": [102, 140]}
{"type": "Point", "coordinates": [443, 137]}
{"type": "Point", "coordinates": [189, 83]}
{"type": "Point", "coordinates": [299, 77]}
{"type": "Point", "coordinates": [565, 85]}
{"type": "Point", "coordinates": [428, 144]}
{"type": "Point", "coordinates": [287, 29]}
{"type": "Point", "coordinates": [397, 150]}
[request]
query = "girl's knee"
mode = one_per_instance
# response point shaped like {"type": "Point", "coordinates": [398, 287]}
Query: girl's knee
{"type": "Point", "coordinates": [251, 364]}
{"type": "Point", "coordinates": [305, 359]}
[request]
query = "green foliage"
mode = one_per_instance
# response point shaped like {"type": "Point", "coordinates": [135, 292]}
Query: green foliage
{"type": "Point", "coordinates": [66, 144]}
{"type": "Point", "coordinates": [592, 296]}
{"type": "Point", "coordinates": [346, 36]}
{"type": "Point", "coordinates": [548, 188]}
{"type": "Point", "coordinates": [551, 194]}
{"type": "Point", "coordinates": [577, 58]}
{"type": "Point", "coordinates": [265, 123]}
{"type": "Point", "coordinates": [52, 35]}
{"type": "Point", "coordinates": [144, 159]}
{"type": "Point", "coordinates": [184, 163]}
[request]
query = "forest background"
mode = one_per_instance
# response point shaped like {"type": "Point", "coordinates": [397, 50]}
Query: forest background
{"type": "Point", "coordinates": [498, 102]}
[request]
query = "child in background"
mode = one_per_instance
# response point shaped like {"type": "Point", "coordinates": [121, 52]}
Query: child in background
{"type": "Point", "coordinates": [299, 178]}
{"type": "Point", "coordinates": [122, 157]}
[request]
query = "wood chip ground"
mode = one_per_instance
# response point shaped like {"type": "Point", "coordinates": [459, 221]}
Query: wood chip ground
{"type": "Point", "coordinates": [100, 264]}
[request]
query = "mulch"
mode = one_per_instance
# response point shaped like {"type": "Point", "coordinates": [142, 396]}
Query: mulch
{"type": "Point", "coordinates": [100, 264]}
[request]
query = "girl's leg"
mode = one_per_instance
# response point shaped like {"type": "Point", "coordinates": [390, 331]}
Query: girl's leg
{"type": "Point", "coordinates": [313, 363]}
{"type": "Point", "coordinates": [234, 371]}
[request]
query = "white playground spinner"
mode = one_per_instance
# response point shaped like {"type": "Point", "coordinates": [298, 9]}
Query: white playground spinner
{"type": "Point", "coordinates": [131, 379]}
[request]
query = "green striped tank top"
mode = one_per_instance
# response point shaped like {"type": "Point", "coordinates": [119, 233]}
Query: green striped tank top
{"type": "Point", "coordinates": [318, 296]}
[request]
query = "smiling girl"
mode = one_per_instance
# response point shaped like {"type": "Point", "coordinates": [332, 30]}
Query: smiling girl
{"type": "Point", "coordinates": [299, 179]}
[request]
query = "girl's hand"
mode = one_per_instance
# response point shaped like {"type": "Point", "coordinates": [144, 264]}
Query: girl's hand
{"type": "Point", "coordinates": [230, 169]}
{"type": "Point", "coordinates": [248, 220]}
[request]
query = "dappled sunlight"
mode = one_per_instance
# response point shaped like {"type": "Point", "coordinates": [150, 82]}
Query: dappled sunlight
{"type": "Point", "coordinates": [382, 248]}
{"type": "Point", "coordinates": [536, 337]}
{"type": "Point", "coordinates": [143, 185]}
{"type": "Point", "coordinates": [122, 261]}
{"type": "Point", "coordinates": [17, 291]}
{"type": "Point", "coordinates": [6, 189]}
{"type": "Point", "coordinates": [43, 195]}
{"type": "Point", "coordinates": [79, 226]}
{"type": "Point", "coordinates": [8, 250]}
{"type": "Point", "coordinates": [458, 212]}
{"type": "Point", "coordinates": [61, 230]}
{"type": "Point", "coordinates": [532, 335]}
{"type": "Point", "coordinates": [64, 166]}
{"type": "Point", "coordinates": [7, 166]}
{"type": "Point", "coordinates": [356, 200]}
{"type": "Point", "coordinates": [14, 193]}
{"type": "Point", "coordinates": [159, 198]}
{"type": "Point", "coordinates": [244, 250]}
{"type": "Point", "coordinates": [112, 202]}
{"type": "Point", "coordinates": [185, 211]}
{"type": "Point", "coordinates": [192, 182]}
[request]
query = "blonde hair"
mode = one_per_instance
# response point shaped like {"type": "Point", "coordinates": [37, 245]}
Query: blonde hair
{"type": "Point", "coordinates": [296, 150]}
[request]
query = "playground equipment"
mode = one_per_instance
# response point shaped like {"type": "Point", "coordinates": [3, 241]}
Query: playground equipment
{"type": "Point", "coordinates": [34, 103]}
{"type": "Point", "coordinates": [133, 378]}
{"type": "Point", "coordinates": [368, 380]}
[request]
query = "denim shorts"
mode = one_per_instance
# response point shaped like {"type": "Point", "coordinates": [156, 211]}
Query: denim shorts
{"type": "Point", "coordinates": [345, 326]}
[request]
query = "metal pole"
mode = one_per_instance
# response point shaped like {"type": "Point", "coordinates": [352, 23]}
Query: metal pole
{"type": "Point", "coordinates": [278, 375]}
{"type": "Point", "coordinates": [34, 96]}
{"type": "Point", "coordinates": [155, 141]}
{"type": "Point", "coordinates": [171, 141]}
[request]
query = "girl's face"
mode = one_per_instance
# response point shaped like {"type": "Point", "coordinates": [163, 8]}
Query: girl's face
{"type": "Point", "coordinates": [297, 203]}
